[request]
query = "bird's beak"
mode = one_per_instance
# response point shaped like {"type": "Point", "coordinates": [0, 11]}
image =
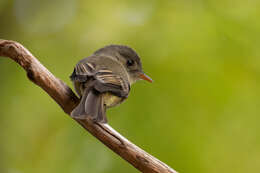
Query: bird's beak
{"type": "Point", "coordinates": [145, 77]}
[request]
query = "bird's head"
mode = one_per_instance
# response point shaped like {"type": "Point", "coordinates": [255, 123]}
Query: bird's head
{"type": "Point", "coordinates": [129, 59]}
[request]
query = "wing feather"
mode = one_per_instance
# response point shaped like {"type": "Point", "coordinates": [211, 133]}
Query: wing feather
{"type": "Point", "coordinates": [111, 79]}
{"type": "Point", "coordinates": [106, 79]}
{"type": "Point", "coordinates": [82, 71]}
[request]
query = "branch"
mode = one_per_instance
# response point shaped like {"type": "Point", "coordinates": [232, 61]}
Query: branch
{"type": "Point", "coordinates": [67, 100]}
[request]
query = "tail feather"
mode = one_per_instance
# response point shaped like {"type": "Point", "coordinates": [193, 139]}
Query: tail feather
{"type": "Point", "coordinates": [79, 112]}
{"type": "Point", "coordinates": [92, 105]}
{"type": "Point", "coordinates": [102, 112]}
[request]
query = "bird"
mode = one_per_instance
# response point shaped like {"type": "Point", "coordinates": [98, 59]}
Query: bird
{"type": "Point", "coordinates": [103, 80]}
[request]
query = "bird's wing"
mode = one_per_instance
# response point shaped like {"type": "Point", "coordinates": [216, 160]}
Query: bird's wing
{"type": "Point", "coordinates": [105, 80]}
{"type": "Point", "coordinates": [111, 82]}
{"type": "Point", "coordinates": [83, 71]}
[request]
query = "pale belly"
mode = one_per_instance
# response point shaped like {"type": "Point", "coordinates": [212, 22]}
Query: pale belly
{"type": "Point", "coordinates": [111, 100]}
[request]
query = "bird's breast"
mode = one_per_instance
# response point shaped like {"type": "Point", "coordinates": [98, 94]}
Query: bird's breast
{"type": "Point", "coordinates": [111, 100]}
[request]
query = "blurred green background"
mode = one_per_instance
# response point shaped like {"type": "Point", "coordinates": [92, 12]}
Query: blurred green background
{"type": "Point", "coordinates": [201, 114]}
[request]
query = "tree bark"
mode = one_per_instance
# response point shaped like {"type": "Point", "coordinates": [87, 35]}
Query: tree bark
{"type": "Point", "coordinates": [67, 100]}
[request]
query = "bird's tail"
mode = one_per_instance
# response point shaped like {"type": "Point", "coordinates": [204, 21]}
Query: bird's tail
{"type": "Point", "coordinates": [91, 104]}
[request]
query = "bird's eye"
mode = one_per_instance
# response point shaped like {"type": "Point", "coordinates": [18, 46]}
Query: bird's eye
{"type": "Point", "coordinates": [130, 62]}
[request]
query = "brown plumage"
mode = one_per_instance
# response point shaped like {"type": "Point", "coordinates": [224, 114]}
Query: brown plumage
{"type": "Point", "coordinates": [103, 80]}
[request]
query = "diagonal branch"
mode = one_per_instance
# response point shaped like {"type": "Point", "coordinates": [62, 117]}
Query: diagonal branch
{"type": "Point", "coordinates": [67, 100]}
